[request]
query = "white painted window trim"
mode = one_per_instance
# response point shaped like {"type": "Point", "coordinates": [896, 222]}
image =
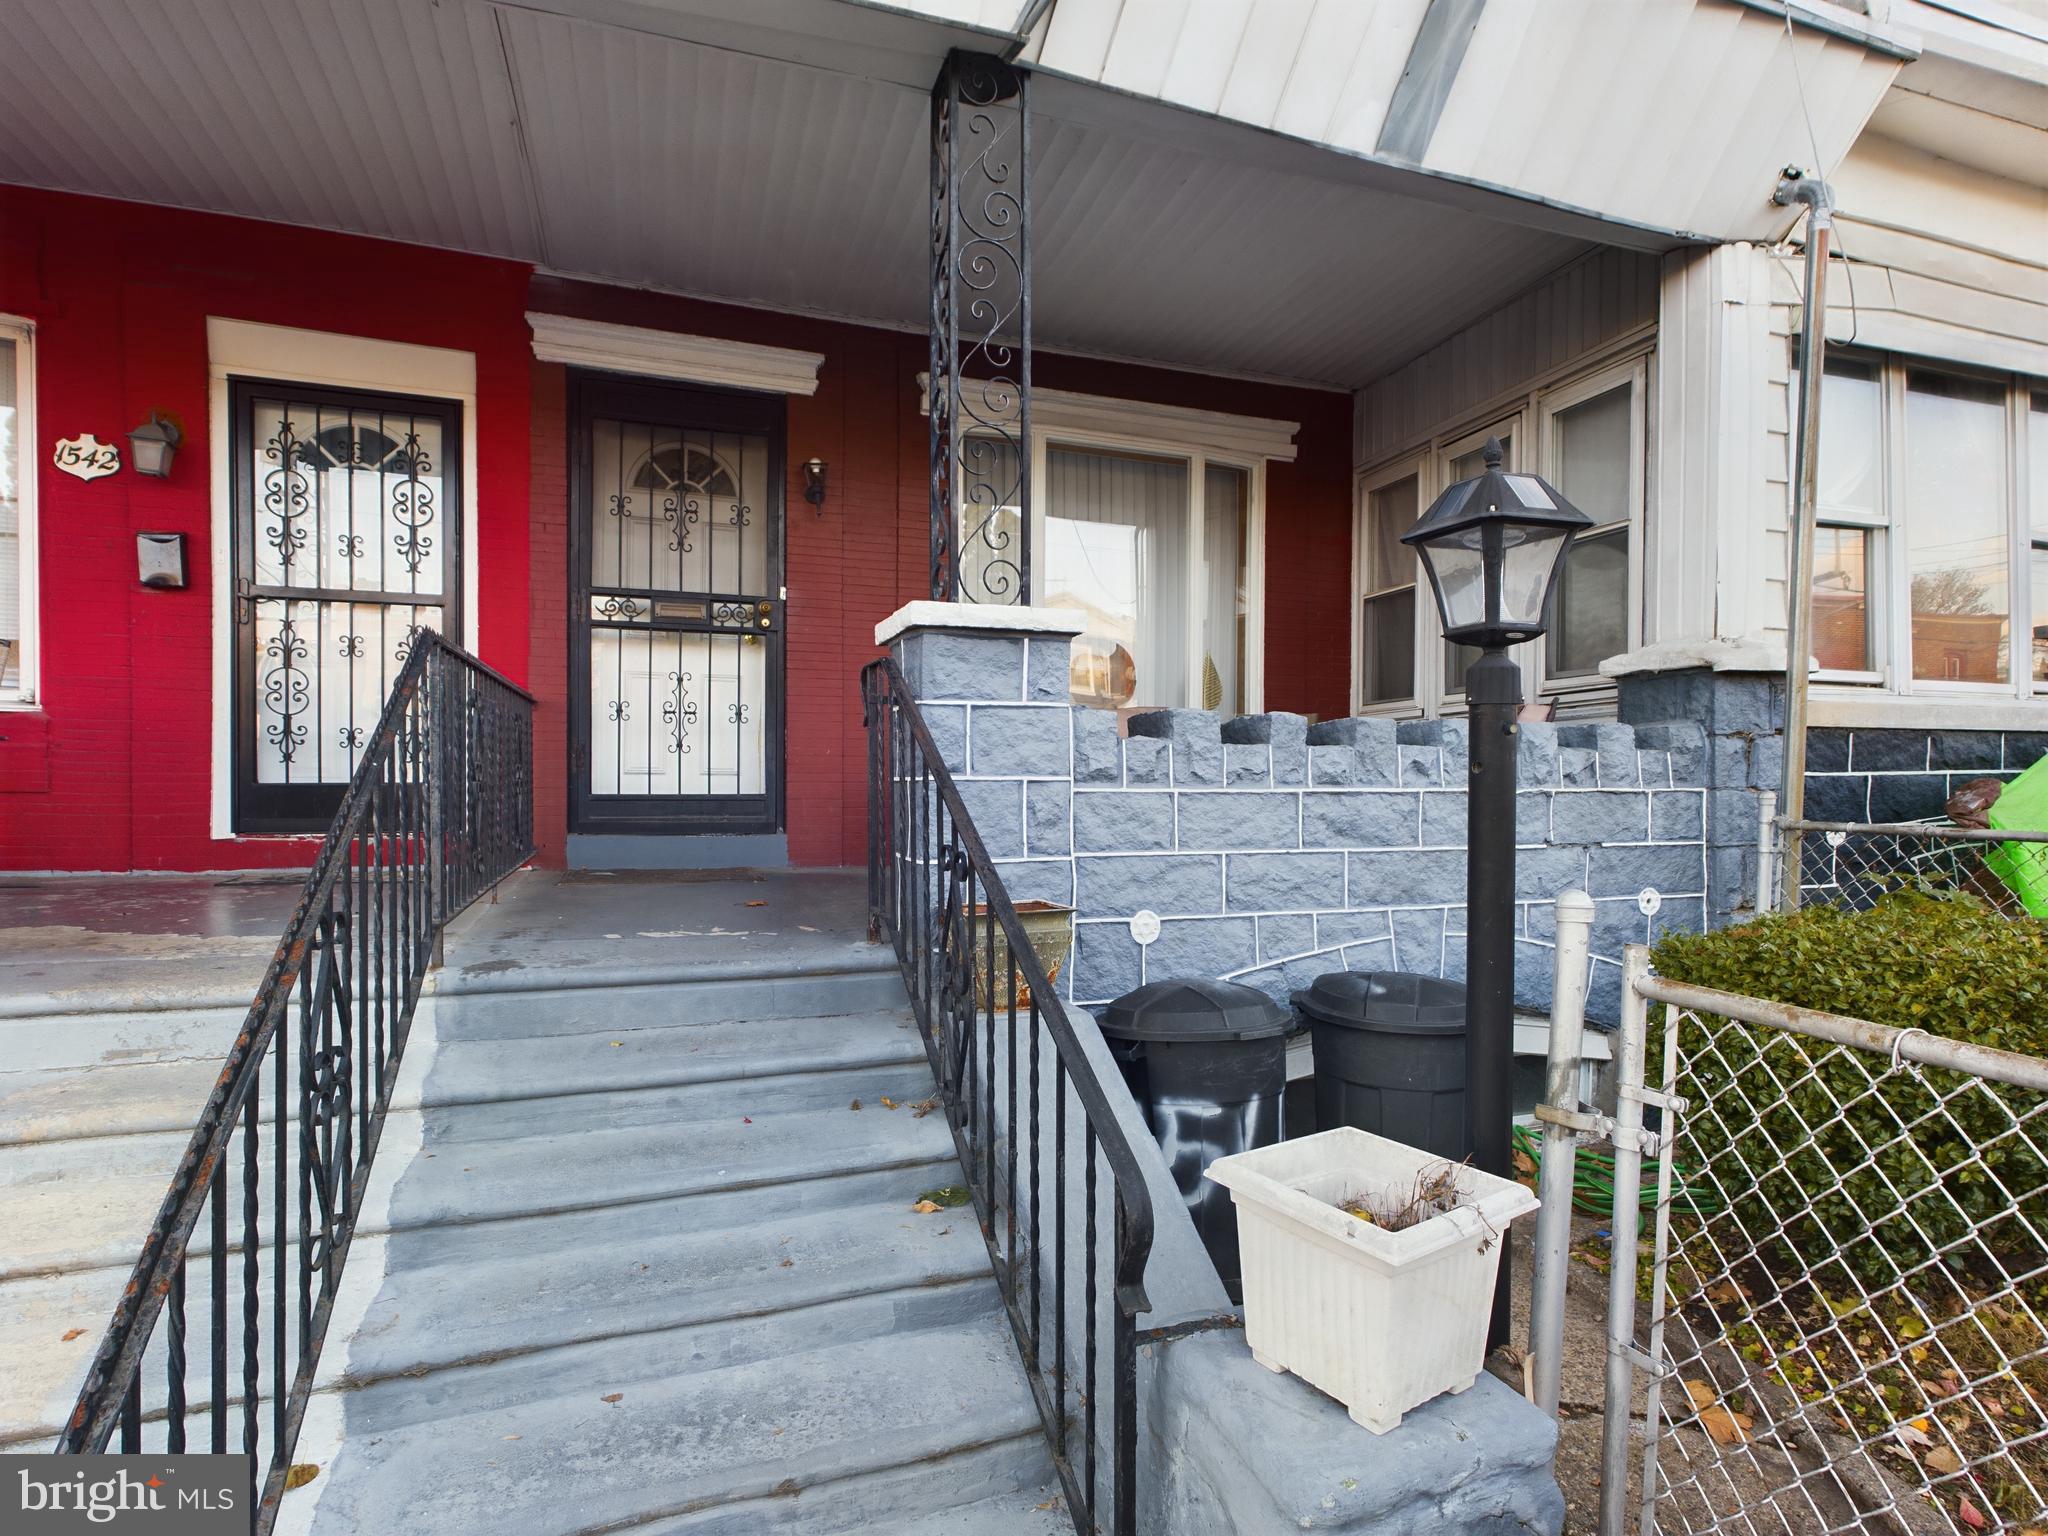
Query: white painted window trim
{"type": "Point", "coordinates": [1198, 438]}
{"type": "Point", "coordinates": [28, 475]}
{"type": "Point", "coordinates": [640, 349]}
{"type": "Point", "coordinates": [245, 349]}
{"type": "Point", "coordinates": [1635, 373]}
{"type": "Point", "coordinates": [1528, 414]}
{"type": "Point", "coordinates": [1391, 472]}
{"type": "Point", "coordinates": [1891, 568]}
{"type": "Point", "coordinates": [1140, 425]}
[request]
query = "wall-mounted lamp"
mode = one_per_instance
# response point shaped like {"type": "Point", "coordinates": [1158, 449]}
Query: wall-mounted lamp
{"type": "Point", "coordinates": [160, 559]}
{"type": "Point", "coordinates": [814, 482]}
{"type": "Point", "coordinates": [153, 445]}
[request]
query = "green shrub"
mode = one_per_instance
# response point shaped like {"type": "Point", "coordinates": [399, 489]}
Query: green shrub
{"type": "Point", "coordinates": [1868, 1168]}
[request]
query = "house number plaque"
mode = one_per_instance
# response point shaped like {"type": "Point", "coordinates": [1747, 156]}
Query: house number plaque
{"type": "Point", "coordinates": [86, 456]}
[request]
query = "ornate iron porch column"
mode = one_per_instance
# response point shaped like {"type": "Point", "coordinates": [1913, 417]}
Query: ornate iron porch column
{"type": "Point", "coordinates": [980, 382]}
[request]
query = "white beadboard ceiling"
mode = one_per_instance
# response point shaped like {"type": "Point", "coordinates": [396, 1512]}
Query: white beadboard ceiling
{"type": "Point", "coordinates": [774, 152]}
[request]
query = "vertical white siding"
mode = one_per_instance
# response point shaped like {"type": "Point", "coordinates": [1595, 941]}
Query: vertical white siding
{"type": "Point", "coordinates": [1570, 316]}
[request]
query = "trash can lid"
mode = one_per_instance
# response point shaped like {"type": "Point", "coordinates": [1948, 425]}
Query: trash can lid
{"type": "Point", "coordinates": [1386, 1002]}
{"type": "Point", "coordinates": [1193, 1009]}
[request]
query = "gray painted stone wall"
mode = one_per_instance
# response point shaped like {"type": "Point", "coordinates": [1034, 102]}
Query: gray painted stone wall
{"type": "Point", "coordinates": [1273, 850]}
{"type": "Point", "coordinates": [1851, 775]}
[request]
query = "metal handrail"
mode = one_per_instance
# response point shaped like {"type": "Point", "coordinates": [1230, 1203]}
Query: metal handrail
{"type": "Point", "coordinates": [934, 891]}
{"type": "Point", "coordinates": [438, 810]}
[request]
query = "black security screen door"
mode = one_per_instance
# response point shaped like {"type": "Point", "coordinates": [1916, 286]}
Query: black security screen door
{"type": "Point", "coordinates": [677, 663]}
{"type": "Point", "coordinates": [347, 529]}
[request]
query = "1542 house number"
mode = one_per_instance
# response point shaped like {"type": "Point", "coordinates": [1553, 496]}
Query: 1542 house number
{"type": "Point", "coordinates": [86, 456]}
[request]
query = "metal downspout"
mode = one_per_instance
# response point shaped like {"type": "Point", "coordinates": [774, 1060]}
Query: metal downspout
{"type": "Point", "coordinates": [1797, 187]}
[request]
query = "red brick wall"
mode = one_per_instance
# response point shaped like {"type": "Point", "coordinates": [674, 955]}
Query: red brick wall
{"type": "Point", "coordinates": [866, 552]}
{"type": "Point", "coordinates": [114, 770]}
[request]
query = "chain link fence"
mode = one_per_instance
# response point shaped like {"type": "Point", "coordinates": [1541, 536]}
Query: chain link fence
{"type": "Point", "coordinates": [1852, 865]}
{"type": "Point", "coordinates": [1843, 1319]}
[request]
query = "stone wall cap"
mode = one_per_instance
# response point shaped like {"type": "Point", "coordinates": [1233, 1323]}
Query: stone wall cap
{"type": "Point", "coordinates": [980, 618]}
{"type": "Point", "coordinates": [1745, 654]}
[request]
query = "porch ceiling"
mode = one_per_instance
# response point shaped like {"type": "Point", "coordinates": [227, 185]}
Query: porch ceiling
{"type": "Point", "coordinates": [708, 148]}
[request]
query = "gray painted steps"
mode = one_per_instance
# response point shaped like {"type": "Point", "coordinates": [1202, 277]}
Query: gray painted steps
{"type": "Point", "coordinates": [659, 1056]}
{"type": "Point", "coordinates": [686, 1434]}
{"type": "Point", "coordinates": [1004, 1489]}
{"type": "Point", "coordinates": [43, 1371]}
{"type": "Point", "coordinates": [650, 1004]}
{"type": "Point", "coordinates": [482, 1295]}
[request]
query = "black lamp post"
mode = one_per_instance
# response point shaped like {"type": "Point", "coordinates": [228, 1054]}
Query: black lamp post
{"type": "Point", "coordinates": [1494, 546]}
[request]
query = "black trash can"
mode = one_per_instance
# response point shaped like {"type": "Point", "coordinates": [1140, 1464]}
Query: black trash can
{"type": "Point", "coordinates": [1390, 1056]}
{"type": "Point", "coordinates": [1207, 1063]}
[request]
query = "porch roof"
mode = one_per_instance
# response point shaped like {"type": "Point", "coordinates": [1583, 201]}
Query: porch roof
{"type": "Point", "coordinates": [771, 153]}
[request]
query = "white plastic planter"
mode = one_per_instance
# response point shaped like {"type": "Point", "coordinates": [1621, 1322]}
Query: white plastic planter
{"type": "Point", "coordinates": [1382, 1321]}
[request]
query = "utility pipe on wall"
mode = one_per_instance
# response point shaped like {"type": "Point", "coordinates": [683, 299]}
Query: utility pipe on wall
{"type": "Point", "coordinates": [1797, 187]}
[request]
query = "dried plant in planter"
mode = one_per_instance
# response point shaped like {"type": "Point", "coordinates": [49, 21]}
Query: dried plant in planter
{"type": "Point", "coordinates": [1433, 1192]}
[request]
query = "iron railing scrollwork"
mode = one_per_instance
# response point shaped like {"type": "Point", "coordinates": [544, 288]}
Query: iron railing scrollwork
{"type": "Point", "coordinates": [261, 1211]}
{"type": "Point", "coordinates": [1030, 1120]}
{"type": "Point", "coordinates": [980, 417]}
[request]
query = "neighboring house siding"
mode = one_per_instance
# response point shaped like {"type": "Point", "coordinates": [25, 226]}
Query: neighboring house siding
{"type": "Point", "coordinates": [120, 294]}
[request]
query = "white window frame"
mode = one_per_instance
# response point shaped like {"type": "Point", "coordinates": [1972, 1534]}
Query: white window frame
{"type": "Point", "coordinates": [1891, 576]}
{"type": "Point", "coordinates": [1528, 418]}
{"type": "Point", "coordinates": [1393, 472]}
{"type": "Point", "coordinates": [24, 693]}
{"type": "Point", "coordinates": [1197, 459]}
{"type": "Point", "coordinates": [1550, 404]}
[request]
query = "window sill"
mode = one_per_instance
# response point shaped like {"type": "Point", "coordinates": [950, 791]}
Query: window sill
{"type": "Point", "coordinates": [1865, 710]}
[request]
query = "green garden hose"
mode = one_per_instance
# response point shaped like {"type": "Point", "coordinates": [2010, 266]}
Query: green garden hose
{"type": "Point", "coordinates": [1593, 1178]}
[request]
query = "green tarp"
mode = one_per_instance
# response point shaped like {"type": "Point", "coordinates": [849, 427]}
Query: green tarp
{"type": "Point", "coordinates": [2023, 807]}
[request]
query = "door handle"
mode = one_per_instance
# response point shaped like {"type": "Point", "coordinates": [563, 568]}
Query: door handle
{"type": "Point", "coordinates": [245, 600]}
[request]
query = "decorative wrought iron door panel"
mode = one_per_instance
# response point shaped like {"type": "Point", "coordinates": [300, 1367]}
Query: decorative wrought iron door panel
{"type": "Point", "coordinates": [678, 707]}
{"type": "Point", "coordinates": [347, 514]}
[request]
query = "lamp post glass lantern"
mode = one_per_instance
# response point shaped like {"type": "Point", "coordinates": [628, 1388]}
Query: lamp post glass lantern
{"type": "Point", "coordinates": [1494, 547]}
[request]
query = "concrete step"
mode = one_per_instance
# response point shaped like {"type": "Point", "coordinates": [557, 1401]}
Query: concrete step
{"type": "Point", "coordinates": [481, 1070]}
{"type": "Point", "coordinates": [855, 984]}
{"type": "Point", "coordinates": [616, 1435]}
{"type": "Point", "coordinates": [488, 1292]}
{"type": "Point", "coordinates": [1004, 1489]}
{"type": "Point", "coordinates": [44, 1369]}
{"type": "Point", "coordinates": [739, 1098]}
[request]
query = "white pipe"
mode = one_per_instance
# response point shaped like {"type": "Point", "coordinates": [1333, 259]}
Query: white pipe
{"type": "Point", "coordinates": [1767, 852]}
{"type": "Point", "coordinates": [1624, 1227]}
{"type": "Point", "coordinates": [1560, 1146]}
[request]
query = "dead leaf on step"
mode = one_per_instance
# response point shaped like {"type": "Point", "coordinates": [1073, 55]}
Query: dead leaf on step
{"type": "Point", "coordinates": [1725, 1426]}
{"type": "Point", "coordinates": [515, 1437]}
{"type": "Point", "coordinates": [755, 903]}
{"type": "Point", "coordinates": [925, 1106]}
{"type": "Point", "coordinates": [779, 1430]}
{"type": "Point", "coordinates": [854, 1105]}
{"type": "Point", "coordinates": [787, 1264]}
{"type": "Point", "coordinates": [73, 1333]}
{"type": "Point", "coordinates": [926, 1207]}
{"type": "Point", "coordinates": [806, 928]}
{"type": "Point", "coordinates": [611, 1397]}
{"type": "Point", "coordinates": [617, 1043]}
{"type": "Point", "coordinates": [887, 1102]}
{"type": "Point", "coordinates": [301, 1473]}
{"type": "Point", "coordinates": [1942, 1461]}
